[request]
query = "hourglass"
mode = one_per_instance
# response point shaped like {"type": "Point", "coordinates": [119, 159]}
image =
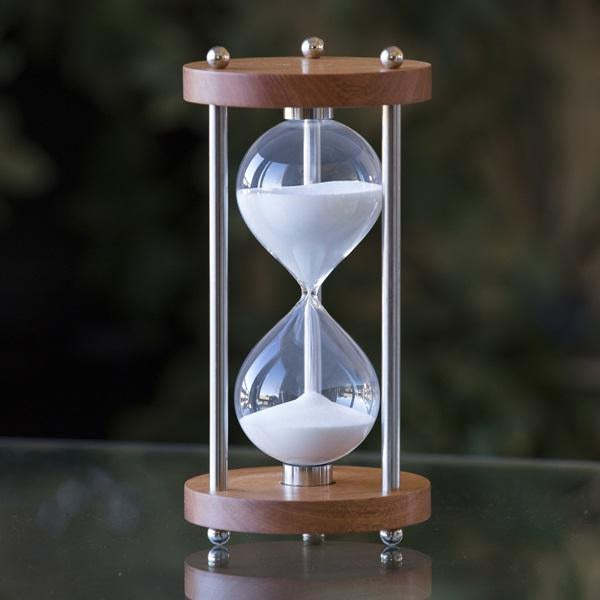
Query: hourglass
{"type": "Point", "coordinates": [309, 190]}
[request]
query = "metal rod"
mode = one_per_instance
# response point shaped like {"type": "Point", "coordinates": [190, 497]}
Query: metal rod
{"type": "Point", "coordinates": [390, 318]}
{"type": "Point", "coordinates": [218, 218]}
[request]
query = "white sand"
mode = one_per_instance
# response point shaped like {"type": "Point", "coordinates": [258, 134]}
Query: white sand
{"type": "Point", "coordinates": [310, 430]}
{"type": "Point", "coordinates": [311, 228]}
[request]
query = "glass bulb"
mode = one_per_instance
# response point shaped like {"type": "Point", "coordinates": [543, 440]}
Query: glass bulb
{"type": "Point", "coordinates": [310, 214]}
{"type": "Point", "coordinates": [307, 413]}
{"type": "Point", "coordinates": [309, 190]}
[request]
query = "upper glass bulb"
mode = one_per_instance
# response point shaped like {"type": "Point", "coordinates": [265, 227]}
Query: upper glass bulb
{"type": "Point", "coordinates": [310, 190]}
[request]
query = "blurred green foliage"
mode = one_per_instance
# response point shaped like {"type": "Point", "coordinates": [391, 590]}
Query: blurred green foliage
{"type": "Point", "coordinates": [501, 191]}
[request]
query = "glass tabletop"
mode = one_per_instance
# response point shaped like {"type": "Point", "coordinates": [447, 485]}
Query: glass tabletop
{"type": "Point", "coordinates": [92, 520]}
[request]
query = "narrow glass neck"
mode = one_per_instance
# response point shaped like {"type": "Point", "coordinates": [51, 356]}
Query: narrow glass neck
{"type": "Point", "coordinates": [313, 292]}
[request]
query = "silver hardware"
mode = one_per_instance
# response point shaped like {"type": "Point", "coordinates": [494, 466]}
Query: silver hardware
{"type": "Point", "coordinates": [306, 476]}
{"type": "Point", "coordinates": [218, 219]}
{"type": "Point", "coordinates": [391, 57]}
{"type": "Point", "coordinates": [390, 315]}
{"type": "Point", "coordinates": [218, 537]}
{"type": "Point", "coordinates": [312, 47]}
{"type": "Point", "coordinates": [391, 537]}
{"type": "Point", "coordinates": [297, 113]}
{"type": "Point", "coordinates": [218, 57]}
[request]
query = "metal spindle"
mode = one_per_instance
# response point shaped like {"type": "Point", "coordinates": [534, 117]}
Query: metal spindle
{"type": "Point", "coordinates": [390, 321]}
{"type": "Point", "coordinates": [218, 224]}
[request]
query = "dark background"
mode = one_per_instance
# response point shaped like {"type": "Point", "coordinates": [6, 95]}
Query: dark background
{"type": "Point", "coordinates": [103, 219]}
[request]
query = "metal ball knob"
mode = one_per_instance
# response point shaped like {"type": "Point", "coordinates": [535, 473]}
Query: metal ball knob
{"type": "Point", "coordinates": [391, 537]}
{"type": "Point", "coordinates": [218, 537]}
{"type": "Point", "coordinates": [313, 47]}
{"type": "Point", "coordinates": [218, 57]}
{"type": "Point", "coordinates": [391, 57]}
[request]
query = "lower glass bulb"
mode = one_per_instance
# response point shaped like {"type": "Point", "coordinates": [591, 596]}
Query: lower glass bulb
{"type": "Point", "coordinates": [307, 394]}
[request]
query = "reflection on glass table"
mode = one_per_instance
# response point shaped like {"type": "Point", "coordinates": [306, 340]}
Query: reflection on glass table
{"type": "Point", "coordinates": [291, 569]}
{"type": "Point", "coordinates": [106, 521]}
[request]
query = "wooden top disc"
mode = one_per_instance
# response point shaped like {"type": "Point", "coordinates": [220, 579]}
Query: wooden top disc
{"type": "Point", "coordinates": [257, 502]}
{"type": "Point", "coordinates": [277, 82]}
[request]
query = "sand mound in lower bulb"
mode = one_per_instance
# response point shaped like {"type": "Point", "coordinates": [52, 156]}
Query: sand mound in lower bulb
{"type": "Point", "coordinates": [311, 430]}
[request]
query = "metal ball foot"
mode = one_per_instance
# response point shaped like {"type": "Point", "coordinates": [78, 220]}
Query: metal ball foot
{"type": "Point", "coordinates": [391, 557]}
{"type": "Point", "coordinates": [218, 557]}
{"type": "Point", "coordinates": [313, 539]}
{"type": "Point", "coordinates": [391, 537]}
{"type": "Point", "coordinates": [218, 537]}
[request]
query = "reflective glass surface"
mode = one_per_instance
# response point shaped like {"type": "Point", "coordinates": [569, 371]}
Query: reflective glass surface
{"type": "Point", "coordinates": [105, 521]}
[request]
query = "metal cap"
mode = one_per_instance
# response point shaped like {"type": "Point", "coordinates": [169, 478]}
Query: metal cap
{"type": "Point", "coordinates": [295, 112]}
{"type": "Point", "coordinates": [307, 476]}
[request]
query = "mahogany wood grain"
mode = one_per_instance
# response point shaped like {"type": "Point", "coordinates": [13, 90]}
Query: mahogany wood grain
{"type": "Point", "coordinates": [276, 82]}
{"type": "Point", "coordinates": [257, 502]}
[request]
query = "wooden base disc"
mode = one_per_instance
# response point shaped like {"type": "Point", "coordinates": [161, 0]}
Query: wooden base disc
{"type": "Point", "coordinates": [293, 570]}
{"type": "Point", "coordinates": [257, 502]}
